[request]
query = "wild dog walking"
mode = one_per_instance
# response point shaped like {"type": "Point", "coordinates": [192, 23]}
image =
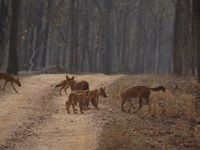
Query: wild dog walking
{"type": "Point", "coordinates": [11, 79]}
{"type": "Point", "coordinates": [142, 92]}
{"type": "Point", "coordinates": [63, 85]}
{"type": "Point", "coordinates": [74, 98]}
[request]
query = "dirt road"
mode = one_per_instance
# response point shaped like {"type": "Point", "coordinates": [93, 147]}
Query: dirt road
{"type": "Point", "coordinates": [36, 119]}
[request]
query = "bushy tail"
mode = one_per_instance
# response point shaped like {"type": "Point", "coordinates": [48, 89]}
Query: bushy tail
{"type": "Point", "coordinates": [160, 88]}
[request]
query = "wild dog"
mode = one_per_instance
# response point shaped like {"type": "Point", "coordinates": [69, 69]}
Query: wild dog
{"type": "Point", "coordinates": [63, 85]}
{"type": "Point", "coordinates": [141, 92]}
{"type": "Point", "coordinates": [93, 96]}
{"type": "Point", "coordinates": [11, 79]}
{"type": "Point", "coordinates": [82, 85]}
{"type": "Point", "coordinates": [70, 82]}
{"type": "Point", "coordinates": [74, 98]}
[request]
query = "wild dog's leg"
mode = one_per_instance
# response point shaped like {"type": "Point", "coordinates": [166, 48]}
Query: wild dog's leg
{"type": "Point", "coordinates": [13, 87]}
{"type": "Point", "coordinates": [131, 104]}
{"type": "Point", "coordinates": [80, 106]}
{"type": "Point", "coordinates": [97, 102]}
{"type": "Point", "coordinates": [68, 103]}
{"type": "Point", "coordinates": [73, 106]}
{"type": "Point", "coordinates": [74, 103]}
{"type": "Point", "coordinates": [62, 87]}
{"type": "Point", "coordinates": [140, 103]}
{"type": "Point", "coordinates": [149, 104]}
{"type": "Point", "coordinates": [123, 102]}
{"type": "Point", "coordinates": [67, 106]}
{"type": "Point", "coordinates": [5, 84]}
{"type": "Point", "coordinates": [87, 103]}
{"type": "Point", "coordinates": [66, 90]}
{"type": "Point", "coordinates": [94, 103]}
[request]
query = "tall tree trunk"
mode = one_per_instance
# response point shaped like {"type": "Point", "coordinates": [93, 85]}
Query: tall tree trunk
{"type": "Point", "coordinates": [46, 32]}
{"type": "Point", "coordinates": [177, 59]}
{"type": "Point", "coordinates": [124, 59]}
{"type": "Point", "coordinates": [74, 35]}
{"type": "Point", "coordinates": [107, 34]}
{"type": "Point", "coordinates": [196, 5]}
{"type": "Point", "coordinates": [13, 57]}
{"type": "Point", "coordinates": [4, 5]}
{"type": "Point", "coordinates": [182, 46]}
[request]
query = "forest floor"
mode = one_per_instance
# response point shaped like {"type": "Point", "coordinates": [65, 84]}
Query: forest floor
{"type": "Point", "coordinates": [36, 119]}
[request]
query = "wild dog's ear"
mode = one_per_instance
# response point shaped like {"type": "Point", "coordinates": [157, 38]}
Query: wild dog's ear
{"type": "Point", "coordinates": [67, 77]}
{"type": "Point", "coordinates": [72, 77]}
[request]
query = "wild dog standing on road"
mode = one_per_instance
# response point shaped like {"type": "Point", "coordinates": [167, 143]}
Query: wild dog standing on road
{"type": "Point", "coordinates": [70, 82]}
{"type": "Point", "coordinates": [63, 85]}
{"type": "Point", "coordinates": [142, 92]}
{"type": "Point", "coordinates": [93, 96]}
{"type": "Point", "coordinates": [74, 98]}
{"type": "Point", "coordinates": [11, 79]}
{"type": "Point", "coordinates": [74, 85]}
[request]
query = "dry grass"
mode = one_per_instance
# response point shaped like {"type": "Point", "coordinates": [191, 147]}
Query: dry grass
{"type": "Point", "coordinates": [175, 125]}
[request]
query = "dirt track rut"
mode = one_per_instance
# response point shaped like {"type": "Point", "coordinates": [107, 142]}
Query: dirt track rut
{"type": "Point", "coordinates": [36, 117]}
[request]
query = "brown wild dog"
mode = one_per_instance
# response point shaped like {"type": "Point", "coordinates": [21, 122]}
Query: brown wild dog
{"type": "Point", "coordinates": [63, 85]}
{"type": "Point", "coordinates": [74, 85]}
{"type": "Point", "coordinates": [93, 96]}
{"type": "Point", "coordinates": [74, 98]}
{"type": "Point", "coordinates": [142, 92]}
{"type": "Point", "coordinates": [11, 79]}
{"type": "Point", "coordinates": [70, 82]}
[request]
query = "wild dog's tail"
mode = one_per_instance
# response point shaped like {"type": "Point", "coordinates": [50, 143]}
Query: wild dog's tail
{"type": "Point", "coordinates": [58, 85]}
{"type": "Point", "coordinates": [160, 88]}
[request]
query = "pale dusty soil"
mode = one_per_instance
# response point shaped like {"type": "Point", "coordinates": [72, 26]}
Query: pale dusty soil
{"type": "Point", "coordinates": [175, 124]}
{"type": "Point", "coordinates": [36, 119]}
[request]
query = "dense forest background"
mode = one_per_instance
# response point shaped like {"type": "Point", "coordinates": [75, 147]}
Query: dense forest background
{"type": "Point", "coordinates": [109, 36]}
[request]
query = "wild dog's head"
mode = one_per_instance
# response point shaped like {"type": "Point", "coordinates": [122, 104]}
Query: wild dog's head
{"type": "Point", "coordinates": [70, 81]}
{"type": "Point", "coordinates": [103, 92]}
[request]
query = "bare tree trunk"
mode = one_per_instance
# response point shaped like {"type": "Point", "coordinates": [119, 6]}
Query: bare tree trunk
{"type": "Point", "coordinates": [196, 5]}
{"type": "Point", "coordinates": [74, 35]}
{"type": "Point", "coordinates": [14, 41]}
{"type": "Point", "coordinates": [182, 36]}
{"type": "Point", "coordinates": [107, 33]}
{"type": "Point", "coordinates": [177, 59]}
{"type": "Point", "coordinates": [4, 5]}
{"type": "Point", "coordinates": [46, 32]}
{"type": "Point", "coordinates": [124, 59]}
